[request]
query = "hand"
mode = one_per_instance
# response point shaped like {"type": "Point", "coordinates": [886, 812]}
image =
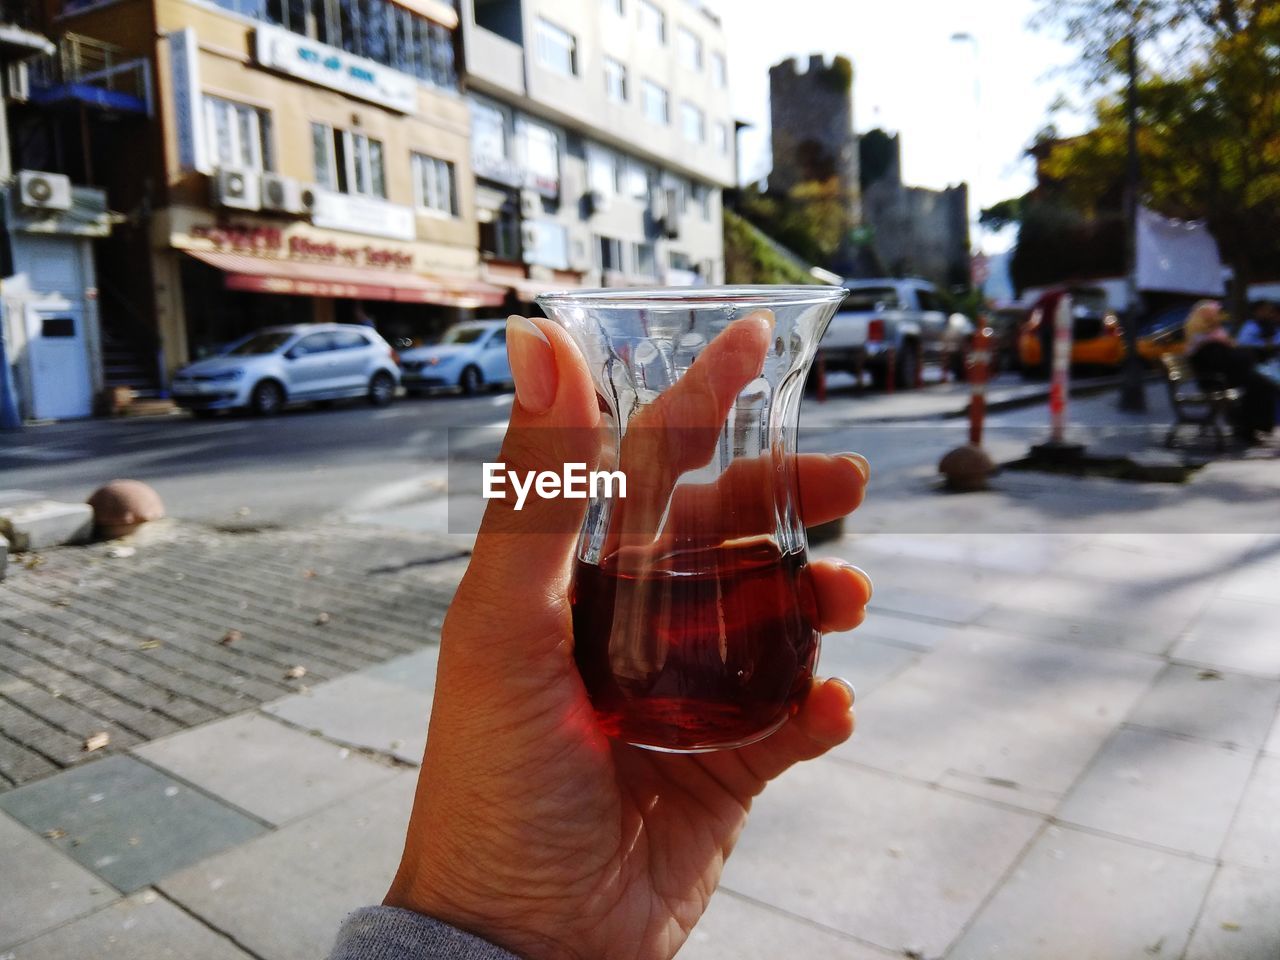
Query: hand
{"type": "Point", "coordinates": [530, 828]}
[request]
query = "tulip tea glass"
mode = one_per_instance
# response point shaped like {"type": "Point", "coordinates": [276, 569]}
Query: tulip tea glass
{"type": "Point", "coordinates": [694, 619]}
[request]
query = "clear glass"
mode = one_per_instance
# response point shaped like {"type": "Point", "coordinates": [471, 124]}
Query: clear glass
{"type": "Point", "coordinates": [695, 626]}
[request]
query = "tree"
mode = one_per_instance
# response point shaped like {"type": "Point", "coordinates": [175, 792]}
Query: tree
{"type": "Point", "coordinates": [813, 218]}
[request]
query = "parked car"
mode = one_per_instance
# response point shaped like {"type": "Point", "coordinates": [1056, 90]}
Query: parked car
{"type": "Point", "coordinates": [1006, 320]}
{"type": "Point", "coordinates": [470, 356]}
{"type": "Point", "coordinates": [902, 319]}
{"type": "Point", "coordinates": [1097, 340]}
{"type": "Point", "coordinates": [281, 365]}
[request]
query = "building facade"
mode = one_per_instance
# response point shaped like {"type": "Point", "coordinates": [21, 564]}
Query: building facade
{"type": "Point", "coordinates": [601, 141]}
{"type": "Point", "coordinates": [299, 160]}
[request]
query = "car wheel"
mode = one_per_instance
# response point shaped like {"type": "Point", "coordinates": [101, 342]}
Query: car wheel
{"type": "Point", "coordinates": [471, 381]}
{"type": "Point", "coordinates": [267, 398]}
{"type": "Point", "coordinates": [382, 388]}
{"type": "Point", "coordinates": [908, 367]}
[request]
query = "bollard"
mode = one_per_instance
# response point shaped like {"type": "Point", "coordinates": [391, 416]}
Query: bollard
{"type": "Point", "coordinates": [978, 368]}
{"type": "Point", "coordinates": [1059, 388]}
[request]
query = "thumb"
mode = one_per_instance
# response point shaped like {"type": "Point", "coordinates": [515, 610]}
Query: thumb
{"type": "Point", "coordinates": [554, 421]}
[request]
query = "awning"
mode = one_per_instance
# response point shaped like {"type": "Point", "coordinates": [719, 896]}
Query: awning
{"type": "Point", "coordinates": [289, 277]}
{"type": "Point", "coordinates": [524, 288]}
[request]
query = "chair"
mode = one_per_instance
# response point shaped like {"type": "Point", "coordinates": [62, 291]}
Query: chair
{"type": "Point", "coordinates": [1194, 405]}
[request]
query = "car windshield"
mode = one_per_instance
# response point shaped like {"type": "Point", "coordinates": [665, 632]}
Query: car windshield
{"type": "Point", "coordinates": [260, 343]}
{"type": "Point", "coordinates": [1168, 321]}
{"type": "Point", "coordinates": [865, 299]}
{"type": "Point", "coordinates": [463, 334]}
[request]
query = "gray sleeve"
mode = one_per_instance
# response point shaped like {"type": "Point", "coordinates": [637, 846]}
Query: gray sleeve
{"type": "Point", "coordinates": [389, 933]}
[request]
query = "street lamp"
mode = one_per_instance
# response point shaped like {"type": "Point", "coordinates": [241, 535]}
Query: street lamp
{"type": "Point", "coordinates": [965, 37]}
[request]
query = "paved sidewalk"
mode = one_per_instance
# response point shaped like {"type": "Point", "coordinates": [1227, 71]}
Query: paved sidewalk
{"type": "Point", "coordinates": [1068, 748]}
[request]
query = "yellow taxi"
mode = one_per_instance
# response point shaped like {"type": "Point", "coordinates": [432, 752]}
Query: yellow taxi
{"type": "Point", "coordinates": [1165, 333]}
{"type": "Point", "coordinates": [1097, 339]}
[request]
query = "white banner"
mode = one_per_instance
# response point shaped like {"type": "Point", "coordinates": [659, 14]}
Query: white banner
{"type": "Point", "coordinates": [282, 50]}
{"type": "Point", "coordinates": [368, 215]}
{"type": "Point", "coordinates": [1177, 256]}
{"type": "Point", "coordinates": [188, 115]}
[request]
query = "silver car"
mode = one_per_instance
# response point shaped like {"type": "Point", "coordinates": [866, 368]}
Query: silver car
{"type": "Point", "coordinates": [280, 365]}
{"type": "Point", "coordinates": [471, 356]}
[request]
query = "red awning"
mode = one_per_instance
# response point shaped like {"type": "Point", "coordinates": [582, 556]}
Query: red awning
{"type": "Point", "coordinates": [526, 289]}
{"type": "Point", "coordinates": [265, 275]}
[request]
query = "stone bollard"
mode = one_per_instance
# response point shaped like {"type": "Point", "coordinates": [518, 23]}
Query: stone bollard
{"type": "Point", "coordinates": [122, 506]}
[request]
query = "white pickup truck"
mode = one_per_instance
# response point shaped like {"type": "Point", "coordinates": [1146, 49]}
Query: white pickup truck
{"type": "Point", "coordinates": [899, 319]}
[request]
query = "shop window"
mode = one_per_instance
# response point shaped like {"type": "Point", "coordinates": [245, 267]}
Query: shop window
{"type": "Point", "coordinates": [239, 135]}
{"type": "Point", "coordinates": [348, 162]}
{"type": "Point", "coordinates": [556, 47]}
{"type": "Point", "coordinates": [435, 185]}
{"type": "Point", "coordinates": [653, 100]}
{"type": "Point", "coordinates": [615, 80]}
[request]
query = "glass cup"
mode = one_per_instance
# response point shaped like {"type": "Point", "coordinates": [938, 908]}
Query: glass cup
{"type": "Point", "coordinates": [694, 619]}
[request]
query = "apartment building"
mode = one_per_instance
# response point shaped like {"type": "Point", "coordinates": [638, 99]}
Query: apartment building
{"type": "Point", "coordinates": [284, 161]}
{"type": "Point", "coordinates": [601, 141]}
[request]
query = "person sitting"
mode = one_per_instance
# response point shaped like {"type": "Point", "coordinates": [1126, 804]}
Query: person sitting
{"type": "Point", "coordinates": [1219, 363]}
{"type": "Point", "coordinates": [1261, 332]}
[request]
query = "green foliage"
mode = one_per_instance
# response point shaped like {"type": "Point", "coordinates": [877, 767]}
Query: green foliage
{"type": "Point", "coordinates": [750, 258]}
{"type": "Point", "coordinates": [1002, 214]}
{"type": "Point", "coordinates": [813, 219]}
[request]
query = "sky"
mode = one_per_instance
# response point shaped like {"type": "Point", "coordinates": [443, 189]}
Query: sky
{"type": "Point", "coordinates": [965, 111]}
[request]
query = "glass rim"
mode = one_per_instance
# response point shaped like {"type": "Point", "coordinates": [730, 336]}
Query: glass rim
{"type": "Point", "coordinates": [696, 298]}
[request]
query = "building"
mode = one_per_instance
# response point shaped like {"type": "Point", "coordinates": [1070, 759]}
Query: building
{"type": "Point", "coordinates": [916, 231]}
{"type": "Point", "coordinates": [50, 338]}
{"type": "Point", "coordinates": [601, 141]}
{"type": "Point", "coordinates": [272, 161]}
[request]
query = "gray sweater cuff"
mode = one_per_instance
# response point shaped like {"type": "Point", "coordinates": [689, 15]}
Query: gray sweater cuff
{"type": "Point", "coordinates": [389, 933]}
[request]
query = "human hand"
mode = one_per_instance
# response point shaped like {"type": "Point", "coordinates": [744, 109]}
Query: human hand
{"type": "Point", "coordinates": [531, 828]}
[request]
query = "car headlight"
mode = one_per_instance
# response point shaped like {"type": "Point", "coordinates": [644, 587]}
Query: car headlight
{"type": "Point", "coordinates": [224, 375]}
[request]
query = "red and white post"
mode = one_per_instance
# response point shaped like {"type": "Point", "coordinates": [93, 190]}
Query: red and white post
{"type": "Point", "coordinates": [1060, 386]}
{"type": "Point", "coordinates": [978, 367]}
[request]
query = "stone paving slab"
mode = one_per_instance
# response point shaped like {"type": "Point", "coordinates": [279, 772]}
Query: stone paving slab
{"type": "Point", "coordinates": [417, 671]}
{"type": "Point", "coordinates": [1227, 708]}
{"type": "Point", "coordinates": [1233, 635]}
{"type": "Point", "coordinates": [127, 822]}
{"type": "Point", "coordinates": [362, 711]}
{"type": "Point", "coordinates": [1076, 896]}
{"type": "Point", "coordinates": [1239, 920]}
{"type": "Point", "coordinates": [41, 887]}
{"type": "Point", "coordinates": [923, 635]}
{"type": "Point", "coordinates": [865, 663]}
{"type": "Point", "coordinates": [734, 928]}
{"type": "Point", "coordinates": [265, 768]}
{"type": "Point", "coordinates": [284, 895]}
{"type": "Point", "coordinates": [1254, 839]}
{"type": "Point", "coordinates": [1160, 789]}
{"type": "Point", "coordinates": [1272, 745]}
{"type": "Point", "coordinates": [887, 861]}
{"type": "Point", "coordinates": [132, 645]}
{"type": "Point", "coordinates": [144, 926]}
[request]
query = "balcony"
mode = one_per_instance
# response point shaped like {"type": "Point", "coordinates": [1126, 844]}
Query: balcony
{"type": "Point", "coordinates": [495, 44]}
{"type": "Point", "coordinates": [94, 73]}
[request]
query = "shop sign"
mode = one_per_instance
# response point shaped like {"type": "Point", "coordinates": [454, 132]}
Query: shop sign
{"type": "Point", "coordinates": [356, 214]}
{"type": "Point", "coordinates": [184, 71]}
{"type": "Point", "coordinates": [327, 66]}
{"type": "Point", "coordinates": [271, 242]}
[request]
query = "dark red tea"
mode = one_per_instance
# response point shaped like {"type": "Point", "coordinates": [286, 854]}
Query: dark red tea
{"type": "Point", "coordinates": [705, 648]}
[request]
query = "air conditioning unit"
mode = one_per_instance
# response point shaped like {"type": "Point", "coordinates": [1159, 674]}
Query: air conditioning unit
{"type": "Point", "coordinates": [671, 221]}
{"type": "Point", "coordinates": [529, 237]}
{"type": "Point", "coordinates": [282, 194]}
{"type": "Point", "coordinates": [596, 202]}
{"type": "Point", "coordinates": [308, 198]}
{"type": "Point", "coordinates": [238, 189]}
{"type": "Point", "coordinates": [44, 191]}
{"type": "Point", "coordinates": [530, 204]}
{"type": "Point", "coordinates": [580, 253]}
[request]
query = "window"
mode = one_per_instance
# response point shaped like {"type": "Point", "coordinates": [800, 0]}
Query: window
{"type": "Point", "coordinates": [239, 136]}
{"type": "Point", "coordinates": [646, 260]}
{"type": "Point", "coordinates": [614, 6]}
{"type": "Point", "coordinates": [692, 122]}
{"type": "Point", "coordinates": [689, 48]}
{"type": "Point", "coordinates": [702, 197]}
{"type": "Point", "coordinates": [348, 162]}
{"type": "Point", "coordinates": [719, 70]}
{"type": "Point", "coordinates": [653, 100]}
{"type": "Point", "coordinates": [610, 254]}
{"type": "Point", "coordinates": [680, 261]}
{"type": "Point", "coordinates": [490, 136]}
{"type": "Point", "coordinates": [348, 340]}
{"type": "Point", "coordinates": [434, 183]}
{"type": "Point", "coordinates": [636, 180]}
{"type": "Point", "coordinates": [615, 80]}
{"type": "Point", "coordinates": [557, 49]}
{"type": "Point", "coordinates": [540, 148]}
{"type": "Point", "coordinates": [603, 173]}
{"type": "Point", "coordinates": [315, 343]}
{"type": "Point", "coordinates": [500, 233]}
{"type": "Point", "coordinates": [653, 22]}
{"type": "Point", "coordinates": [550, 245]}
{"type": "Point", "coordinates": [722, 139]}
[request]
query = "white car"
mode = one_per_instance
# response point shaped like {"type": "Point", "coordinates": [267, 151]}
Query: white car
{"type": "Point", "coordinates": [280, 365]}
{"type": "Point", "coordinates": [470, 356]}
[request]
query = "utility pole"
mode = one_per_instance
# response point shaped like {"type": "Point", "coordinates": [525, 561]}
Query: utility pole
{"type": "Point", "coordinates": [1133, 394]}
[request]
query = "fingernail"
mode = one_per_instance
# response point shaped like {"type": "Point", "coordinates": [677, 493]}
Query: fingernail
{"type": "Point", "coordinates": [861, 575]}
{"type": "Point", "coordinates": [853, 694]}
{"type": "Point", "coordinates": [862, 464]}
{"type": "Point", "coordinates": [533, 364]}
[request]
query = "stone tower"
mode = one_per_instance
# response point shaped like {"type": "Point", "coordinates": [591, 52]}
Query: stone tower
{"type": "Point", "coordinates": [811, 115]}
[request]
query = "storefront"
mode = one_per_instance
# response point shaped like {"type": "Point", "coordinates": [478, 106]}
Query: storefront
{"type": "Point", "coordinates": [232, 275]}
